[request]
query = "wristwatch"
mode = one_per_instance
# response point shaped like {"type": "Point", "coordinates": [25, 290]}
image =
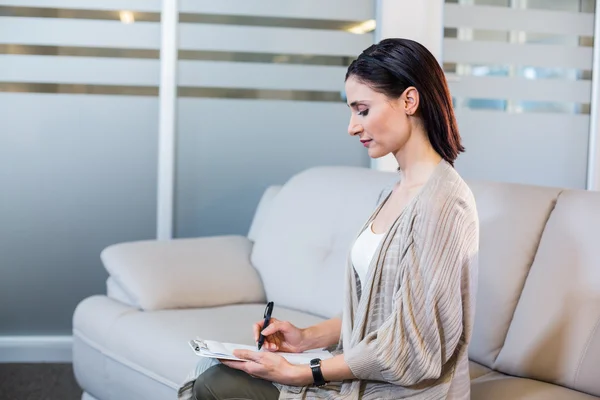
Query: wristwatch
{"type": "Point", "coordinates": [315, 366]}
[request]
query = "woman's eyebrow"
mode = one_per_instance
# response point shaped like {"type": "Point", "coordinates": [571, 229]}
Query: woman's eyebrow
{"type": "Point", "coordinates": [355, 103]}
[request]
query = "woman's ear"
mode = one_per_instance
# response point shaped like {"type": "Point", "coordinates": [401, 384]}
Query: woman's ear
{"type": "Point", "coordinates": [410, 100]}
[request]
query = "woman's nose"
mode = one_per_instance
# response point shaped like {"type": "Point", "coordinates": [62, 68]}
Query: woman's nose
{"type": "Point", "coordinates": [353, 128]}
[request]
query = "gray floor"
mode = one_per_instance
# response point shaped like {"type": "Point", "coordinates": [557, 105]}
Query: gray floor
{"type": "Point", "coordinates": [38, 382]}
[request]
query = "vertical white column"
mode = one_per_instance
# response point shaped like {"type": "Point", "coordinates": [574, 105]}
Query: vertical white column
{"type": "Point", "coordinates": [422, 21]}
{"type": "Point", "coordinates": [593, 170]}
{"type": "Point", "coordinates": [167, 119]}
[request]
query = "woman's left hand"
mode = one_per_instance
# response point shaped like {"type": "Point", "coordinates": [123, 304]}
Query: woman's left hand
{"type": "Point", "coordinates": [271, 367]}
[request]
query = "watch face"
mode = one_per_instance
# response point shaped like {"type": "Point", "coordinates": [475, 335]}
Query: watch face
{"type": "Point", "coordinates": [315, 362]}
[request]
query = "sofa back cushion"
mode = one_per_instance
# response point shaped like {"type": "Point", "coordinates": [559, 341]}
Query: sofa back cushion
{"type": "Point", "coordinates": [302, 246]}
{"type": "Point", "coordinates": [555, 332]}
{"type": "Point", "coordinates": [262, 210]}
{"type": "Point", "coordinates": [511, 219]}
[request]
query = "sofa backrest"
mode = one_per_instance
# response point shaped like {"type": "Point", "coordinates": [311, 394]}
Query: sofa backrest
{"type": "Point", "coordinates": [262, 210]}
{"type": "Point", "coordinates": [555, 332]}
{"type": "Point", "coordinates": [302, 243]}
{"type": "Point", "coordinates": [511, 221]}
{"type": "Point", "coordinates": [537, 312]}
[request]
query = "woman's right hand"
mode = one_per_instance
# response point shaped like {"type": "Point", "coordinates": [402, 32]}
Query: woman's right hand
{"type": "Point", "coordinates": [280, 336]}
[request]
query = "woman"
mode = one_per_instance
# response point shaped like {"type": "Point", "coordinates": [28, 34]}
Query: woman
{"type": "Point", "coordinates": [410, 282]}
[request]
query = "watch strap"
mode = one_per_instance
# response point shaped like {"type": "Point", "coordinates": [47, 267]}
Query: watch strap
{"type": "Point", "coordinates": [315, 366]}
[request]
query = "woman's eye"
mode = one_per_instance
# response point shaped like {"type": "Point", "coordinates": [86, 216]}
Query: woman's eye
{"type": "Point", "coordinates": [363, 112]}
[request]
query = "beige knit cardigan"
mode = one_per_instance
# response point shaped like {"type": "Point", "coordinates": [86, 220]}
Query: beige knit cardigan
{"type": "Point", "coordinates": [406, 336]}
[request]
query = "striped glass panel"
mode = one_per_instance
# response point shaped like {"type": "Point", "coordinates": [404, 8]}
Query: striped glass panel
{"type": "Point", "coordinates": [271, 40]}
{"type": "Point", "coordinates": [547, 149]}
{"type": "Point", "coordinates": [61, 88]}
{"type": "Point", "coordinates": [264, 76]}
{"type": "Point", "coordinates": [520, 76]}
{"type": "Point", "coordinates": [528, 71]}
{"type": "Point", "coordinates": [348, 10]}
{"type": "Point", "coordinates": [201, 55]}
{"type": "Point", "coordinates": [80, 70]}
{"type": "Point", "coordinates": [78, 148]}
{"type": "Point", "coordinates": [584, 6]}
{"type": "Point", "coordinates": [243, 20]}
{"type": "Point", "coordinates": [520, 37]}
{"type": "Point", "coordinates": [101, 5]}
{"type": "Point", "coordinates": [539, 55]}
{"type": "Point", "coordinates": [124, 16]}
{"type": "Point", "coordinates": [260, 99]}
{"type": "Point", "coordinates": [265, 58]}
{"type": "Point", "coordinates": [90, 33]}
{"type": "Point", "coordinates": [570, 22]}
{"type": "Point", "coordinates": [517, 88]}
{"type": "Point", "coordinates": [74, 51]}
{"type": "Point", "coordinates": [522, 106]}
{"type": "Point", "coordinates": [230, 150]}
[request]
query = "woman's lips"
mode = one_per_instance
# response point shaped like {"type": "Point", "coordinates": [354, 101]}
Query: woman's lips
{"type": "Point", "coordinates": [366, 142]}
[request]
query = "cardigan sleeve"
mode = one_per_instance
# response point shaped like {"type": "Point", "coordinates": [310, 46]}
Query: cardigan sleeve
{"type": "Point", "coordinates": [424, 329]}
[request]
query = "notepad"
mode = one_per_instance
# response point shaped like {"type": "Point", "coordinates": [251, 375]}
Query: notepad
{"type": "Point", "coordinates": [214, 349]}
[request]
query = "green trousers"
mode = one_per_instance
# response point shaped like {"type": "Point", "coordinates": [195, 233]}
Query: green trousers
{"type": "Point", "coordinates": [223, 383]}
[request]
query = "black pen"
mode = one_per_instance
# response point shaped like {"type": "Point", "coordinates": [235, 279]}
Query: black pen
{"type": "Point", "coordinates": [268, 311]}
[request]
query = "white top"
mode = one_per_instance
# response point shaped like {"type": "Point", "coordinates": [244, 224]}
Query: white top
{"type": "Point", "coordinates": [364, 250]}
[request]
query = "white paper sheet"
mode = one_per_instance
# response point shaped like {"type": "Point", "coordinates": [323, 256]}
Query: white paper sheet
{"type": "Point", "coordinates": [214, 349]}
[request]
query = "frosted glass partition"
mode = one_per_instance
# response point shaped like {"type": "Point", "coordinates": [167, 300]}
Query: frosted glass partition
{"type": "Point", "coordinates": [78, 150]}
{"type": "Point", "coordinates": [260, 85]}
{"type": "Point", "coordinates": [521, 80]}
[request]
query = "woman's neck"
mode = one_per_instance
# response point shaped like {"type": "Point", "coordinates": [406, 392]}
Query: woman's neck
{"type": "Point", "coordinates": [417, 159]}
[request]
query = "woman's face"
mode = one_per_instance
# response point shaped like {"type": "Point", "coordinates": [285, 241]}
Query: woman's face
{"type": "Point", "coordinates": [381, 123]}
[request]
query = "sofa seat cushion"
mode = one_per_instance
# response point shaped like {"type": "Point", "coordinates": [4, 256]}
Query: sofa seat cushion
{"type": "Point", "coordinates": [497, 386]}
{"type": "Point", "coordinates": [155, 343]}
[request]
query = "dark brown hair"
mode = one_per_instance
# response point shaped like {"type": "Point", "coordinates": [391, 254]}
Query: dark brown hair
{"type": "Point", "coordinates": [391, 66]}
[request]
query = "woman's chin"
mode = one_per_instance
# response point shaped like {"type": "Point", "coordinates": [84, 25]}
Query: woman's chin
{"type": "Point", "coordinates": [373, 153]}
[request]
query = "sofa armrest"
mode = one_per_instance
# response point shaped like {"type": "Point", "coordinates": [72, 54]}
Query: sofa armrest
{"type": "Point", "coordinates": [185, 273]}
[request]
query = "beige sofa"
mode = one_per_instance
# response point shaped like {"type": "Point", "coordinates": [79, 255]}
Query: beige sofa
{"type": "Point", "coordinates": [537, 326]}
